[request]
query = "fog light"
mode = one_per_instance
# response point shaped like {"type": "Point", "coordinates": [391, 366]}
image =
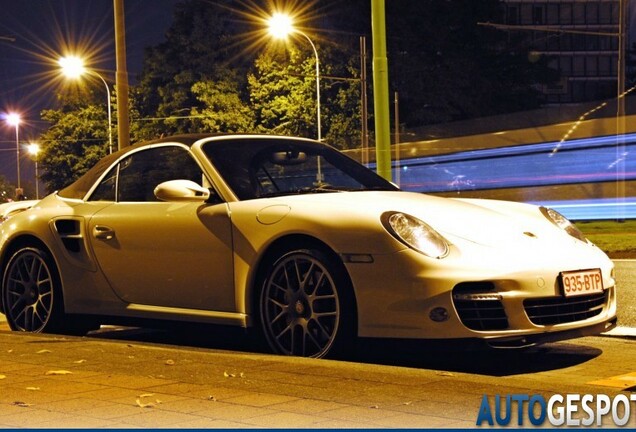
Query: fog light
{"type": "Point", "coordinates": [439, 314]}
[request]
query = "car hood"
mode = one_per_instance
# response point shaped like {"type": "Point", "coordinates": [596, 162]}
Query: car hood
{"type": "Point", "coordinates": [486, 222]}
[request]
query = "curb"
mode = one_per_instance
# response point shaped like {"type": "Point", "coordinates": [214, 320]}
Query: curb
{"type": "Point", "coordinates": [626, 332]}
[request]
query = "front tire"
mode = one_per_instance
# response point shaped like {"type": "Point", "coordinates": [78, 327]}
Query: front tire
{"type": "Point", "coordinates": [304, 304]}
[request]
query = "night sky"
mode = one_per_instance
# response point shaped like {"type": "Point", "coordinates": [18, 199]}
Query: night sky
{"type": "Point", "coordinates": [44, 30]}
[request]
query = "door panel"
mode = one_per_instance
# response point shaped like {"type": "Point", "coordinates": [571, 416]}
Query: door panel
{"type": "Point", "coordinates": [167, 254]}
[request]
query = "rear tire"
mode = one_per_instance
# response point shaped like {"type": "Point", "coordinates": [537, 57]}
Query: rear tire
{"type": "Point", "coordinates": [32, 295]}
{"type": "Point", "coordinates": [305, 304]}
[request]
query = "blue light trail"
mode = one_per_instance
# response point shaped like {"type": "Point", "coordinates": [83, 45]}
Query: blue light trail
{"type": "Point", "coordinates": [589, 160]}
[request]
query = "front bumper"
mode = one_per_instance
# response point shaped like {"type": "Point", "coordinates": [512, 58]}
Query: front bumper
{"type": "Point", "coordinates": [405, 295]}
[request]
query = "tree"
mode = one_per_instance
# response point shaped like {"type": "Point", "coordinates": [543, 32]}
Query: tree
{"type": "Point", "coordinates": [75, 141]}
{"type": "Point", "coordinates": [202, 45]}
{"type": "Point", "coordinates": [282, 92]}
{"type": "Point", "coordinates": [283, 95]}
{"type": "Point", "coordinates": [223, 109]}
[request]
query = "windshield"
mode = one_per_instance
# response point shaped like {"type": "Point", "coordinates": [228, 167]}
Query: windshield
{"type": "Point", "coordinates": [258, 168]}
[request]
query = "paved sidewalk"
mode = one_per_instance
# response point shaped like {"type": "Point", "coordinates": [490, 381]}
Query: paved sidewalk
{"type": "Point", "coordinates": [54, 381]}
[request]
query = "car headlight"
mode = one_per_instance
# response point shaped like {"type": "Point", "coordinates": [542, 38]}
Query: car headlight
{"type": "Point", "coordinates": [562, 222]}
{"type": "Point", "coordinates": [415, 234]}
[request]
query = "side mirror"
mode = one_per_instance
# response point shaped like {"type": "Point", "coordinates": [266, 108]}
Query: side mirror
{"type": "Point", "coordinates": [181, 190]}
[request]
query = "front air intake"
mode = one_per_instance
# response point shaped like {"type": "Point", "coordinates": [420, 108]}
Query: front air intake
{"type": "Point", "coordinates": [479, 306]}
{"type": "Point", "coordinates": [561, 310]}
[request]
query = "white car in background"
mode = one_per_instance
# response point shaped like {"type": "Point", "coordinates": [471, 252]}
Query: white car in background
{"type": "Point", "coordinates": [292, 239]}
{"type": "Point", "coordinates": [12, 208]}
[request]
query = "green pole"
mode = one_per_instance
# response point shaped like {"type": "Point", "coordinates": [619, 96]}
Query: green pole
{"type": "Point", "coordinates": [381, 90]}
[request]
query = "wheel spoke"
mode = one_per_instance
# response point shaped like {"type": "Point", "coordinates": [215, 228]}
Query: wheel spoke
{"type": "Point", "coordinates": [279, 287]}
{"type": "Point", "coordinates": [283, 310]}
{"type": "Point", "coordinates": [301, 278]}
{"type": "Point", "coordinates": [18, 310]}
{"type": "Point", "coordinates": [313, 339]}
{"type": "Point", "coordinates": [29, 322]}
{"type": "Point", "coordinates": [324, 331]}
{"type": "Point", "coordinates": [33, 270]}
{"type": "Point", "coordinates": [317, 315]}
{"type": "Point", "coordinates": [306, 279]}
{"type": "Point", "coordinates": [319, 283]}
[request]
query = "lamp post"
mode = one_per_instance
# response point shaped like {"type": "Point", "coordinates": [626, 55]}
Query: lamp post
{"type": "Point", "coordinates": [34, 149]}
{"type": "Point", "coordinates": [73, 67]}
{"type": "Point", "coordinates": [13, 119]}
{"type": "Point", "coordinates": [280, 26]}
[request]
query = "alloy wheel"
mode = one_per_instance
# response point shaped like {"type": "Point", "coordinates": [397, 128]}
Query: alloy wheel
{"type": "Point", "coordinates": [300, 306]}
{"type": "Point", "coordinates": [28, 291]}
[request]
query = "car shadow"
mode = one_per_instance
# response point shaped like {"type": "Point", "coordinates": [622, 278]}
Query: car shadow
{"type": "Point", "coordinates": [475, 359]}
{"type": "Point", "coordinates": [450, 357]}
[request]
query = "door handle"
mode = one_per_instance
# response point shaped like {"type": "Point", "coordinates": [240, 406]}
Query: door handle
{"type": "Point", "coordinates": [103, 232]}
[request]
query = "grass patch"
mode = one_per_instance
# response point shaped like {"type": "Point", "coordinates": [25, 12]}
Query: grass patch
{"type": "Point", "coordinates": [617, 239]}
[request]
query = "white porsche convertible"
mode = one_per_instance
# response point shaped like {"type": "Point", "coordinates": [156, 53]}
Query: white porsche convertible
{"type": "Point", "coordinates": [294, 240]}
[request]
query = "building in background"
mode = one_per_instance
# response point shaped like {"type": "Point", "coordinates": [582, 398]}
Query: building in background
{"type": "Point", "coordinates": [585, 52]}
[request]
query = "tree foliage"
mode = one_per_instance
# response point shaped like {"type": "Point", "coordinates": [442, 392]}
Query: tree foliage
{"type": "Point", "coordinates": [201, 46]}
{"type": "Point", "coordinates": [282, 92]}
{"type": "Point", "coordinates": [76, 140]}
{"type": "Point", "coordinates": [283, 95]}
{"type": "Point", "coordinates": [223, 109]}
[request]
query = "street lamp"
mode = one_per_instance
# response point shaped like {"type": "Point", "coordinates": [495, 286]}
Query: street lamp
{"type": "Point", "coordinates": [34, 149]}
{"type": "Point", "coordinates": [280, 26]}
{"type": "Point", "coordinates": [13, 119]}
{"type": "Point", "coordinates": [73, 67]}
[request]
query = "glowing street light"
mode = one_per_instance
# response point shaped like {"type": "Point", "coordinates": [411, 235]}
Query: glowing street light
{"type": "Point", "coordinates": [13, 119]}
{"type": "Point", "coordinates": [280, 26]}
{"type": "Point", "coordinates": [73, 67]}
{"type": "Point", "coordinates": [34, 149]}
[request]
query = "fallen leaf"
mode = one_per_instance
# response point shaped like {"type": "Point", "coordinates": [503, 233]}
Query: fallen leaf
{"type": "Point", "coordinates": [43, 351]}
{"type": "Point", "coordinates": [144, 405]}
{"type": "Point", "coordinates": [3, 376]}
{"type": "Point", "coordinates": [58, 372]}
{"type": "Point", "coordinates": [10, 351]}
{"type": "Point", "coordinates": [21, 404]}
